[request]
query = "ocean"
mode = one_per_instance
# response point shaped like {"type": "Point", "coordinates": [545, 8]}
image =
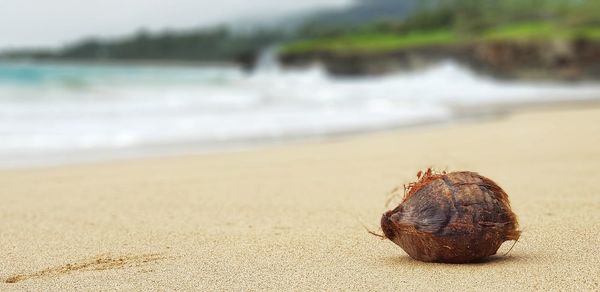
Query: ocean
{"type": "Point", "coordinates": [52, 113]}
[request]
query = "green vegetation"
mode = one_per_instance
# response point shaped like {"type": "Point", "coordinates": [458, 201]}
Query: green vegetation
{"type": "Point", "coordinates": [451, 22]}
{"type": "Point", "coordinates": [540, 31]}
{"type": "Point", "coordinates": [214, 44]}
{"type": "Point", "coordinates": [209, 44]}
{"type": "Point", "coordinates": [374, 42]}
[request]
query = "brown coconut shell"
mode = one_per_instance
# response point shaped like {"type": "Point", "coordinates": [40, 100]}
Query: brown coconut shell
{"type": "Point", "coordinates": [456, 217]}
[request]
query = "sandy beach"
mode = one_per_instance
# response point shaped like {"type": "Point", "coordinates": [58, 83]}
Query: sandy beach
{"type": "Point", "coordinates": [289, 217]}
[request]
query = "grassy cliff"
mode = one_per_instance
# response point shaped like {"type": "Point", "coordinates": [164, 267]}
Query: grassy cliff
{"type": "Point", "coordinates": [508, 36]}
{"type": "Point", "coordinates": [452, 22]}
{"type": "Point", "coordinates": [378, 42]}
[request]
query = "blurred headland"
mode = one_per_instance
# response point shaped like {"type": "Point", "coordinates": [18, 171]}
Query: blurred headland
{"type": "Point", "coordinates": [547, 39]}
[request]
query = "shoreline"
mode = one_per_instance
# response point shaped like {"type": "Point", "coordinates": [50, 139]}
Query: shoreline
{"type": "Point", "coordinates": [463, 115]}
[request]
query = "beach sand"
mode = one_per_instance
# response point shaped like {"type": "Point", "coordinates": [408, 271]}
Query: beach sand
{"type": "Point", "coordinates": [288, 217]}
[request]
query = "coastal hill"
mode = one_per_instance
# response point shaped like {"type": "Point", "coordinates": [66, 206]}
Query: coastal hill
{"type": "Point", "coordinates": [510, 39]}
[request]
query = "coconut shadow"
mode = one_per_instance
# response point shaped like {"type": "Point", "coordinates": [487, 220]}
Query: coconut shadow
{"type": "Point", "coordinates": [394, 261]}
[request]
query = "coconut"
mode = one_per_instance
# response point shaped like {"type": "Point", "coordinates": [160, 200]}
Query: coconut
{"type": "Point", "coordinates": [456, 217]}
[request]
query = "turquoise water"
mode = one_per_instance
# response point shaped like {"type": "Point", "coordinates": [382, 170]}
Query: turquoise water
{"type": "Point", "coordinates": [55, 112]}
{"type": "Point", "coordinates": [32, 74]}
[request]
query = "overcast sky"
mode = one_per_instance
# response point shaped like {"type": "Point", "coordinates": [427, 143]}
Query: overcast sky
{"type": "Point", "coordinates": [32, 23]}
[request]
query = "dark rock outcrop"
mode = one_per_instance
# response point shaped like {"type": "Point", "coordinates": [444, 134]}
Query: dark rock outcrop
{"type": "Point", "coordinates": [573, 60]}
